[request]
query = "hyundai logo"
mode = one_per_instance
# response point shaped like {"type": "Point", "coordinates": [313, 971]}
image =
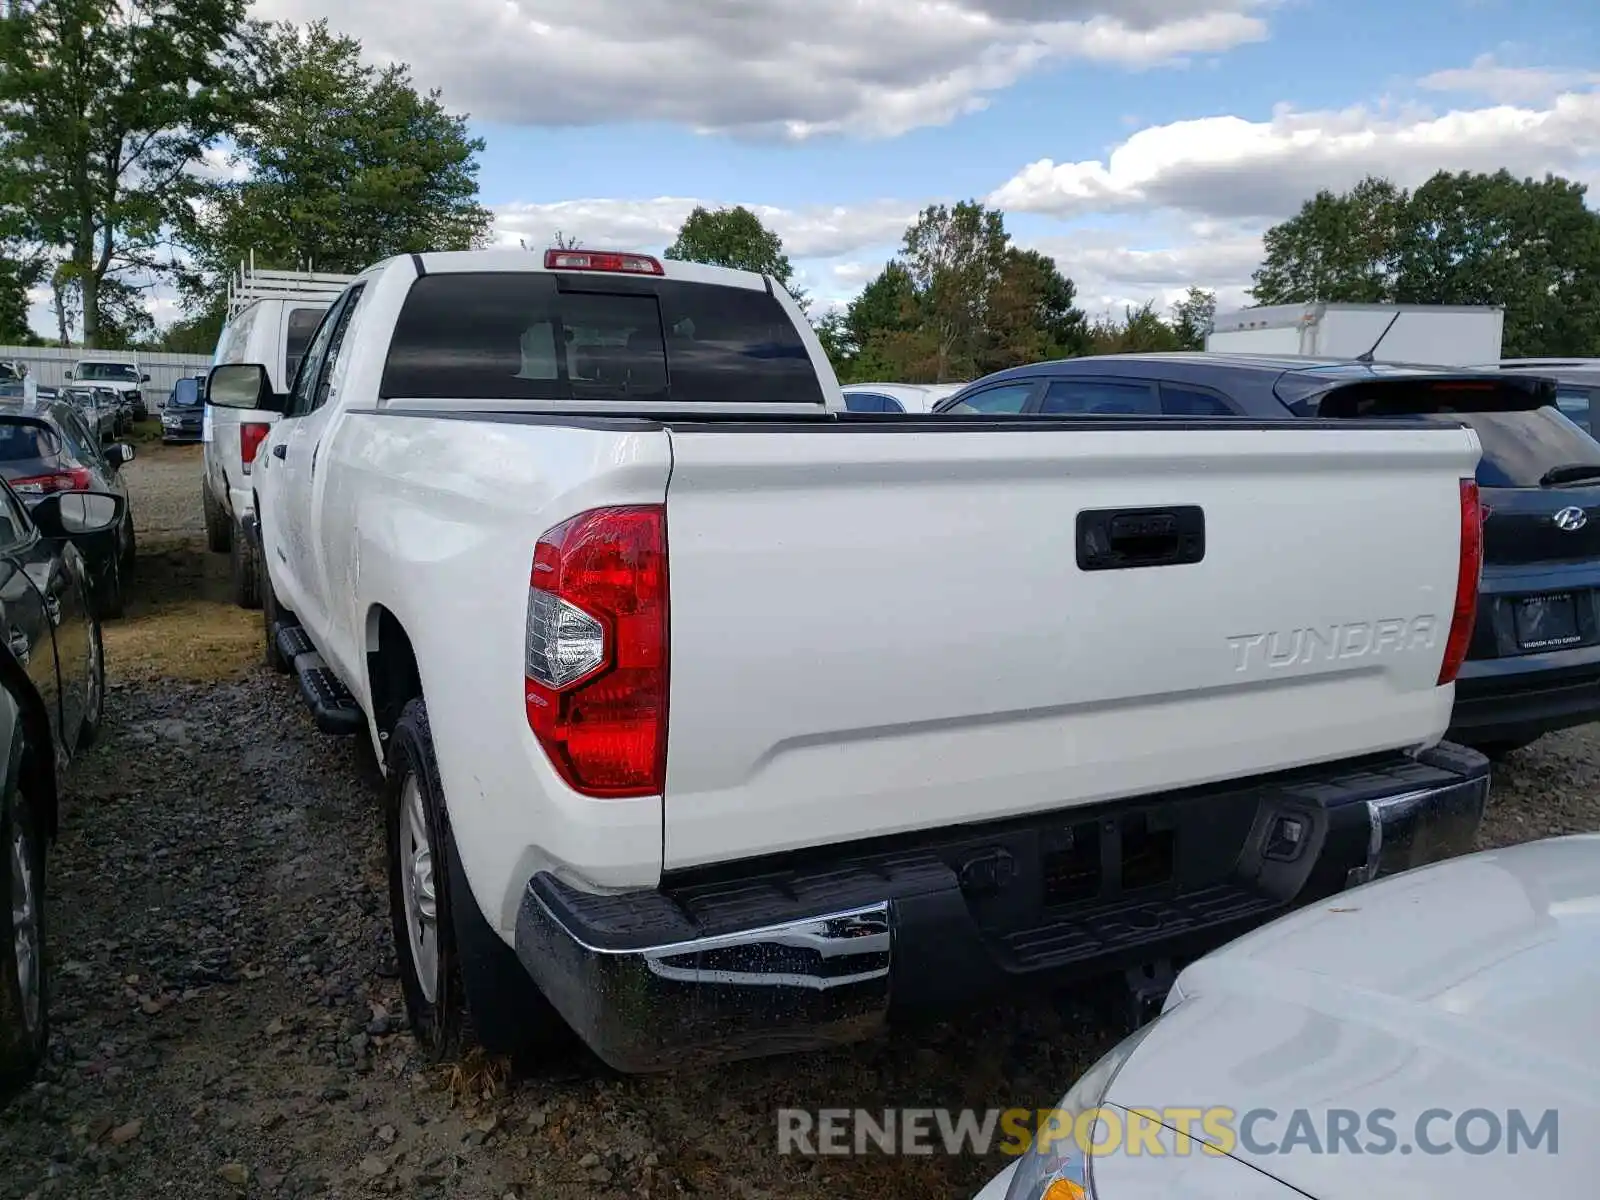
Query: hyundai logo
{"type": "Point", "coordinates": [1570, 520]}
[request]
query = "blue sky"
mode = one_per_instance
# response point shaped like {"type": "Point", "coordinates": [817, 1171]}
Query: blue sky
{"type": "Point", "coordinates": [1144, 143]}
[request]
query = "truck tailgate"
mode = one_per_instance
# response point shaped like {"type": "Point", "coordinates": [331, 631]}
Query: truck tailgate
{"type": "Point", "coordinates": [879, 629]}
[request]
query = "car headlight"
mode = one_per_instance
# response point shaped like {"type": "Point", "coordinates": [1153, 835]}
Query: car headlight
{"type": "Point", "coordinates": [1057, 1167]}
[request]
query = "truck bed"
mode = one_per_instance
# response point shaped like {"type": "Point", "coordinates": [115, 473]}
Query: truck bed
{"type": "Point", "coordinates": [880, 625]}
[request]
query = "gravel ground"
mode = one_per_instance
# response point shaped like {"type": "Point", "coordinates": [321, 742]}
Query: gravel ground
{"type": "Point", "coordinates": [227, 1020]}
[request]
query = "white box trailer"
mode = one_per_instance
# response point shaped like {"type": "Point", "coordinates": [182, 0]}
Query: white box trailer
{"type": "Point", "coordinates": [1449, 335]}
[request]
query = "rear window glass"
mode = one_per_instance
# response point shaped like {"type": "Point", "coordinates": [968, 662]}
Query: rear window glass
{"type": "Point", "coordinates": [1520, 447]}
{"type": "Point", "coordinates": [300, 325]}
{"type": "Point", "coordinates": [21, 441]}
{"type": "Point", "coordinates": [505, 336]}
{"type": "Point", "coordinates": [185, 393]}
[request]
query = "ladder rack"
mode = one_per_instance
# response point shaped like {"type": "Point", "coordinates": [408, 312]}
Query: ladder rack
{"type": "Point", "coordinates": [250, 285]}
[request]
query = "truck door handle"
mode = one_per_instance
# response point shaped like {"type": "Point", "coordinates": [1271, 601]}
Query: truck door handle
{"type": "Point", "coordinates": [1121, 539]}
{"type": "Point", "coordinates": [52, 609]}
{"type": "Point", "coordinates": [280, 451]}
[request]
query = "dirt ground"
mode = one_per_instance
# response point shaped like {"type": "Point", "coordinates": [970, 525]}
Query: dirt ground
{"type": "Point", "coordinates": [227, 1021]}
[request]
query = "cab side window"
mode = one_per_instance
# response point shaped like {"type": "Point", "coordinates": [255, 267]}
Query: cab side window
{"type": "Point", "coordinates": [303, 391]}
{"type": "Point", "coordinates": [330, 372]}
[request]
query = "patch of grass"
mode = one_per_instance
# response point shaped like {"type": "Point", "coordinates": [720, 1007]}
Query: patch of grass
{"type": "Point", "coordinates": [181, 622]}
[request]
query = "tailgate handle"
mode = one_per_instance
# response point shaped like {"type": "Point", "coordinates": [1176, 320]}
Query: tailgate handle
{"type": "Point", "coordinates": [1120, 539]}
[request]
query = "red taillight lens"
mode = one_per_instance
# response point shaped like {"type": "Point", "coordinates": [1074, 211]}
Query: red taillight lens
{"type": "Point", "coordinates": [1468, 575]}
{"type": "Point", "coordinates": [72, 479]}
{"type": "Point", "coordinates": [251, 435]}
{"type": "Point", "coordinates": [601, 260]}
{"type": "Point", "coordinates": [596, 650]}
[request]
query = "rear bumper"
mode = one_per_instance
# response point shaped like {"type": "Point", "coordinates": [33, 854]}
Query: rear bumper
{"type": "Point", "coordinates": [1519, 699]}
{"type": "Point", "coordinates": [826, 947]}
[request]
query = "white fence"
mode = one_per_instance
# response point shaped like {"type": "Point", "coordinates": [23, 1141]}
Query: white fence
{"type": "Point", "coordinates": [50, 364]}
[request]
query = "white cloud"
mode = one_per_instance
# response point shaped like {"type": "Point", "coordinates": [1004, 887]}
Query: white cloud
{"type": "Point", "coordinates": [1111, 274]}
{"type": "Point", "coordinates": [818, 232]}
{"type": "Point", "coordinates": [1508, 85]}
{"type": "Point", "coordinates": [764, 67]}
{"type": "Point", "coordinates": [1231, 167]}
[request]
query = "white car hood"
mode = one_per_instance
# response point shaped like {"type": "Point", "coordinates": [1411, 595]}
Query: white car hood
{"type": "Point", "coordinates": [1473, 984]}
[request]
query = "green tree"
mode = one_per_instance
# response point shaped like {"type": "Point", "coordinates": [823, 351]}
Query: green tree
{"type": "Point", "coordinates": [734, 237]}
{"type": "Point", "coordinates": [105, 105]}
{"type": "Point", "coordinates": [16, 278]}
{"type": "Point", "coordinates": [1532, 246]}
{"type": "Point", "coordinates": [1193, 317]}
{"type": "Point", "coordinates": [1337, 248]}
{"type": "Point", "coordinates": [1140, 331]}
{"type": "Point", "coordinates": [1032, 316]}
{"type": "Point", "coordinates": [342, 164]}
{"type": "Point", "coordinates": [955, 257]}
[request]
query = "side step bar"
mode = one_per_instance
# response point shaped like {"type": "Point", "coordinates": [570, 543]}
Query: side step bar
{"type": "Point", "coordinates": [332, 706]}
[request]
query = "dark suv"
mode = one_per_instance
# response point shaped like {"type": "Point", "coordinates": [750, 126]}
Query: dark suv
{"type": "Point", "coordinates": [1534, 662]}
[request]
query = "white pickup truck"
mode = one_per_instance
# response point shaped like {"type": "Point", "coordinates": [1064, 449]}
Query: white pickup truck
{"type": "Point", "coordinates": [718, 721]}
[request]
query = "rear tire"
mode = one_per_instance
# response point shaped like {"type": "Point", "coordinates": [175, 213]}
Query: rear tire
{"type": "Point", "coordinates": [24, 979]}
{"type": "Point", "coordinates": [111, 602]}
{"type": "Point", "coordinates": [219, 529]}
{"type": "Point", "coordinates": [246, 570]}
{"type": "Point", "coordinates": [471, 986]}
{"type": "Point", "coordinates": [94, 711]}
{"type": "Point", "coordinates": [271, 616]}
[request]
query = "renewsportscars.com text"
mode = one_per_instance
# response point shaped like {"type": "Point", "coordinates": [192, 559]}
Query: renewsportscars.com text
{"type": "Point", "coordinates": [1165, 1131]}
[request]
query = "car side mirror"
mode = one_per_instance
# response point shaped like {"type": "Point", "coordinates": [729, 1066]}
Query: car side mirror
{"type": "Point", "coordinates": [144, 379]}
{"type": "Point", "coordinates": [77, 514]}
{"type": "Point", "coordinates": [68, 373]}
{"type": "Point", "coordinates": [242, 385]}
{"type": "Point", "coordinates": [119, 454]}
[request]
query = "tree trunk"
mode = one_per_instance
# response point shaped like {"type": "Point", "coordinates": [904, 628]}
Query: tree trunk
{"type": "Point", "coordinates": [89, 289]}
{"type": "Point", "coordinates": [63, 334]}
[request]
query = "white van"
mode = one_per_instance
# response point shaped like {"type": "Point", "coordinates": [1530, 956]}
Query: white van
{"type": "Point", "coordinates": [271, 317]}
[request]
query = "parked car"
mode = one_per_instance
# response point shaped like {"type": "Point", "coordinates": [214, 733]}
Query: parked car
{"type": "Point", "coordinates": [99, 409]}
{"type": "Point", "coordinates": [896, 397]}
{"type": "Point", "coordinates": [183, 417]}
{"type": "Point", "coordinates": [122, 375]}
{"type": "Point", "coordinates": [46, 448]}
{"type": "Point", "coordinates": [1533, 665]}
{"type": "Point", "coordinates": [1577, 384]}
{"type": "Point", "coordinates": [120, 405]}
{"type": "Point", "coordinates": [272, 315]}
{"type": "Point", "coordinates": [52, 698]}
{"type": "Point", "coordinates": [1154, 687]}
{"type": "Point", "coordinates": [1431, 1011]}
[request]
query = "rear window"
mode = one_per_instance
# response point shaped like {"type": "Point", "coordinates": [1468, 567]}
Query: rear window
{"type": "Point", "coordinates": [515, 336]}
{"type": "Point", "coordinates": [185, 393]}
{"type": "Point", "coordinates": [1520, 447]}
{"type": "Point", "coordinates": [21, 441]}
{"type": "Point", "coordinates": [299, 326]}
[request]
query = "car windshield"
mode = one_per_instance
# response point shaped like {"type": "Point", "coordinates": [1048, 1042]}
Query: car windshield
{"type": "Point", "coordinates": [114, 372]}
{"type": "Point", "coordinates": [185, 394]}
{"type": "Point", "coordinates": [9, 373]}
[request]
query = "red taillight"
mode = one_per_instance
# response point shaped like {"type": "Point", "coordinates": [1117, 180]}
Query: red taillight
{"type": "Point", "coordinates": [601, 260]}
{"type": "Point", "coordinates": [1468, 575]}
{"type": "Point", "coordinates": [596, 650]}
{"type": "Point", "coordinates": [251, 435]}
{"type": "Point", "coordinates": [72, 479]}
